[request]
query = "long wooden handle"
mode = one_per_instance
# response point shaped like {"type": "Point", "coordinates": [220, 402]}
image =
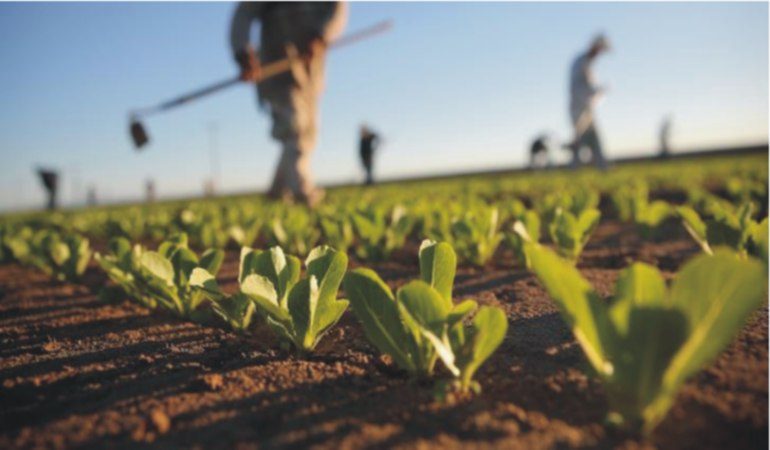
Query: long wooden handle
{"type": "Point", "coordinates": [284, 65]}
{"type": "Point", "coordinates": [268, 70]}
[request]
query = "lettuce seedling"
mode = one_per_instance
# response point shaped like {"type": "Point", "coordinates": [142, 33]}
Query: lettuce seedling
{"type": "Point", "coordinates": [734, 229]}
{"type": "Point", "coordinates": [476, 235]}
{"type": "Point", "coordinates": [530, 223]}
{"type": "Point", "coordinates": [162, 277]}
{"type": "Point", "coordinates": [379, 233]}
{"type": "Point", "coordinates": [120, 265]}
{"type": "Point", "coordinates": [244, 235]}
{"type": "Point", "coordinates": [299, 311]}
{"type": "Point", "coordinates": [235, 310]}
{"type": "Point", "coordinates": [420, 324]}
{"type": "Point", "coordinates": [337, 232]}
{"type": "Point", "coordinates": [15, 244]}
{"type": "Point", "coordinates": [571, 233]}
{"type": "Point", "coordinates": [64, 257]}
{"type": "Point", "coordinates": [294, 231]}
{"type": "Point", "coordinates": [650, 339]}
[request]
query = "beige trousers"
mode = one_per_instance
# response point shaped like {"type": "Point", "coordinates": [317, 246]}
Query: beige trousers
{"type": "Point", "coordinates": [293, 104]}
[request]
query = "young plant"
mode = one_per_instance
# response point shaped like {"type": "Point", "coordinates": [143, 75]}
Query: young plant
{"type": "Point", "coordinates": [646, 342]}
{"type": "Point", "coordinates": [64, 257]}
{"type": "Point", "coordinates": [726, 228]}
{"type": "Point", "coordinates": [235, 310]}
{"type": "Point", "coordinates": [162, 277]}
{"type": "Point", "coordinates": [571, 233]}
{"type": "Point", "coordinates": [530, 223]}
{"type": "Point", "coordinates": [476, 235]}
{"type": "Point", "coordinates": [299, 311]}
{"type": "Point", "coordinates": [379, 233]}
{"type": "Point", "coordinates": [294, 231]}
{"type": "Point", "coordinates": [244, 235]}
{"type": "Point", "coordinates": [420, 324]}
{"type": "Point", "coordinates": [15, 244]}
{"type": "Point", "coordinates": [337, 232]}
{"type": "Point", "coordinates": [647, 215]}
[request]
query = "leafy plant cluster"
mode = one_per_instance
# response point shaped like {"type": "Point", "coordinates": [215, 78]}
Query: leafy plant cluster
{"type": "Point", "coordinates": [649, 339]}
{"type": "Point", "coordinates": [61, 255]}
{"type": "Point", "coordinates": [421, 324]}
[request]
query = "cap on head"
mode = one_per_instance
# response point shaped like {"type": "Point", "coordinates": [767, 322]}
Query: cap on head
{"type": "Point", "coordinates": [600, 43]}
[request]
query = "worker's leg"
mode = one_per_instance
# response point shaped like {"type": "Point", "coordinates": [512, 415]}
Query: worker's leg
{"type": "Point", "coordinates": [293, 107]}
{"type": "Point", "coordinates": [594, 143]}
{"type": "Point", "coordinates": [368, 169]}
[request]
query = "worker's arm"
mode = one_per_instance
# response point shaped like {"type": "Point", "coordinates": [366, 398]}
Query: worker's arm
{"type": "Point", "coordinates": [240, 38]}
{"type": "Point", "coordinates": [336, 23]}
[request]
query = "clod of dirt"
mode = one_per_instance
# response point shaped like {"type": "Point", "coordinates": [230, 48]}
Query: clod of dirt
{"type": "Point", "coordinates": [213, 381]}
{"type": "Point", "coordinates": [160, 420]}
{"type": "Point", "coordinates": [51, 346]}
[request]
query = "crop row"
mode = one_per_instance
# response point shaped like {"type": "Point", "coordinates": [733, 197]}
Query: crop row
{"type": "Point", "coordinates": [643, 344]}
{"type": "Point", "coordinates": [566, 220]}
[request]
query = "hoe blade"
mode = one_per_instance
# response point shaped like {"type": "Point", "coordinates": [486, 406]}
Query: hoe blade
{"type": "Point", "coordinates": [138, 134]}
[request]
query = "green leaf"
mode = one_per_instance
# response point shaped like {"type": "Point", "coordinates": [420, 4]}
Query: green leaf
{"type": "Point", "coordinates": [328, 266]}
{"type": "Point", "coordinates": [486, 333]}
{"type": "Point", "coordinates": [237, 311]}
{"type": "Point", "coordinates": [425, 305]}
{"type": "Point", "coordinates": [59, 252]}
{"type": "Point", "coordinates": [694, 226]}
{"type": "Point", "coordinates": [201, 278]}
{"type": "Point", "coordinates": [759, 240]}
{"type": "Point", "coordinates": [211, 260]}
{"type": "Point", "coordinates": [460, 311]}
{"type": "Point", "coordinates": [158, 266]}
{"type": "Point", "coordinates": [262, 291]}
{"type": "Point", "coordinates": [579, 305]}
{"type": "Point", "coordinates": [184, 261]}
{"type": "Point", "coordinates": [374, 305]}
{"type": "Point", "coordinates": [716, 294]}
{"type": "Point", "coordinates": [438, 264]}
{"type": "Point", "coordinates": [119, 246]}
{"type": "Point", "coordinates": [302, 302]}
{"type": "Point", "coordinates": [638, 285]}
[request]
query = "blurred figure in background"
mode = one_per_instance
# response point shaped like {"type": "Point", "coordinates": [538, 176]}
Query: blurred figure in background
{"type": "Point", "coordinates": [539, 151]}
{"type": "Point", "coordinates": [665, 137]}
{"type": "Point", "coordinates": [149, 191]}
{"type": "Point", "coordinates": [91, 199]}
{"type": "Point", "coordinates": [289, 29]}
{"type": "Point", "coordinates": [367, 145]}
{"type": "Point", "coordinates": [584, 93]}
{"type": "Point", "coordinates": [50, 180]}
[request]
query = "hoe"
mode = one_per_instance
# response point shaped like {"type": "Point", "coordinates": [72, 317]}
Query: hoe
{"type": "Point", "coordinates": [138, 132]}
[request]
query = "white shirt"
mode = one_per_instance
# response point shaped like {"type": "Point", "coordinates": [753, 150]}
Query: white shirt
{"type": "Point", "coordinates": [583, 90]}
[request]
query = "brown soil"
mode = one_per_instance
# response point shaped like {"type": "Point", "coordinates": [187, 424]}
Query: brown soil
{"type": "Point", "coordinates": [76, 372]}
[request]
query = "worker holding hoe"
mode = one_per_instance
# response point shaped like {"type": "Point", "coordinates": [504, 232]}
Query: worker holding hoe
{"type": "Point", "coordinates": [367, 145]}
{"type": "Point", "coordinates": [584, 94]}
{"type": "Point", "coordinates": [300, 31]}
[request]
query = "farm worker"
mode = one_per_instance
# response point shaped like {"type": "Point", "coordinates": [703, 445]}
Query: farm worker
{"type": "Point", "coordinates": [584, 93]}
{"type": "Point", "coordinates": [368, 143]}
{"type": "Point", "coordinates": [50, 180]}
{"type": "Point", "coordinates": [538, 151]}
{"type": "Point", "coordinates": [289, 29]}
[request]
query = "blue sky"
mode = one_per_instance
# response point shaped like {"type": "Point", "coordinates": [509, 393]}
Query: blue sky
{"type": "Point", "coordinates": [454, 86]}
